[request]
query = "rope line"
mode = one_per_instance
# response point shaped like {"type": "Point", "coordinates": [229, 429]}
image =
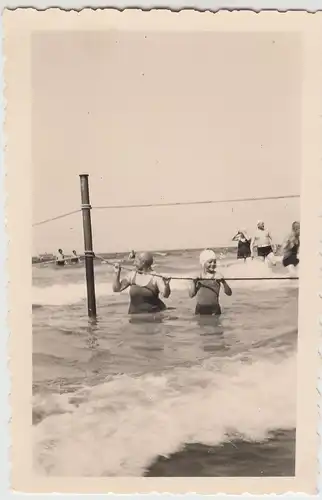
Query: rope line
{"type": "Point", "coordinates": [56, 218]}
{"type": "Point", "coordinates": [52, 261]}
{"type": "Point", "coordinates": [205, 202]}
{"type": "Point", "coordinates": [170, 204]}
{"type": "Point", "coordinates": [188, 278]}
{"type": "Point", "coordinates": [181, 278]}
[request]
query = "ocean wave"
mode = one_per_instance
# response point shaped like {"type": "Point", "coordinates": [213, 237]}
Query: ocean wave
{"type": "Point", "coordinates": [126, 422]}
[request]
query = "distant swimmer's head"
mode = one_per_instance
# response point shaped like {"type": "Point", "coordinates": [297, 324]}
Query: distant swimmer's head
{"type": "Point", "coordinates": [144, 261]}
{"type": "Point", "coordinates": [208, 260]}
{"type": "Point", "coordinates": [261, 225]}
{"type": "Point", "coordinates": [296, 228]}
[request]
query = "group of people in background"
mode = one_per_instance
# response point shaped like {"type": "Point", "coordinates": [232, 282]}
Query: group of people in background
{"type": "Point", "coordinates": [266, 249]}
{"type": "Point", "coordinates": [146, 288]}
{"type": "Point", "coordinates": [61, 259]}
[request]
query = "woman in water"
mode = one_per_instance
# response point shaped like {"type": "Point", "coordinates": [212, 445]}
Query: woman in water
{"type": "Point", "coordinates": [291, 248]}
{"type": "Point", "coordinates": [243, 248]}
{"type": "Point", "coordinates": [74, 258]}
{"type": "Point", "coordinates": [144, 288]}
{"type": "Point", "coordinates": [131, 255]}
{"type": "Point", "coordinates": [60, 259]}
{"type": "Point", "coordinates": [207, 286]}
{"type": "Point", "coordinates": [264, 243]}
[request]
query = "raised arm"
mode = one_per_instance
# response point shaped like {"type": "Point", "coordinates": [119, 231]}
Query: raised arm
{"type": "Point", "coordinates": [118, 284]}
{"type": "Point", "coordinates": [252, 245]}
{"type": "Point", "coordinates": [228, 291]}
{"type": "Point", "coordinates": [287, 244]}
{"type": "Point", "coordinates": [164, 287]}
{"type": "Point", "coordinates": [235, 238]}
{"type": "Point", "coordinates": [193, 288]}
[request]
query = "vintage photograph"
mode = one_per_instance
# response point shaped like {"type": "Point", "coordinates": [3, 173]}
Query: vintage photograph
{"type": "Point", "coordinates": [166, 251]}
{"type": "Point", "coordinates": [187, 370]}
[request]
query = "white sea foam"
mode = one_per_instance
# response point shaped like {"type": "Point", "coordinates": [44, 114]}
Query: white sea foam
{"type": "Point", "coordinates": [119, 427]}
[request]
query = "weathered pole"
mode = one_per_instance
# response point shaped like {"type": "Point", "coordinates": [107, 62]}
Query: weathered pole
{"type": "Point", "coordinates": [88, 246]}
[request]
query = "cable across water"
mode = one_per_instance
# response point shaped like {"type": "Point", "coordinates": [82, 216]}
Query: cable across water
{"type": "Point", "coordinates": [173, 204]}
{"type": "Point", "coordinates": [189, 278]}
{"type": "Point", "coordinates": [62, 216]}
{"type": "Point", "coordinates": [204, 202]}
{"type": "Point", "coordinates": [180, 278]}
{"type": "Point", "coordinates": [169, 204]}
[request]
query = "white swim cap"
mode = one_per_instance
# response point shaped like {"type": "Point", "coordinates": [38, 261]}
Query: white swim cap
{"type": "Point", "coordinates": [206, 255]}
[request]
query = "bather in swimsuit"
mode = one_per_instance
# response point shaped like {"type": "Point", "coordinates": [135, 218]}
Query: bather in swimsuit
{"type": "Point", "coordinates": [290, 257]}
{"type": "Point", "coordinates": [243, 249]}
{"type": "Point", "coordinates": [145, 299]}
{"type": "Point", "coordinates": [207, 298]}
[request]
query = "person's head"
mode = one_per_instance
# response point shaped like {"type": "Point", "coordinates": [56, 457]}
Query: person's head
{"type": "Point", "coordinates": [261, 225]}
{"type": "Point", "coordinates": [143, 261]}
{"type": "Point", "coordinates": [208, 261]}
{"type": "Point", "coordinates": [74, 252]}
{"type": "Point", "coordinates": [60, 250]}
{"type": "Point", "coordinates": [296, 228]}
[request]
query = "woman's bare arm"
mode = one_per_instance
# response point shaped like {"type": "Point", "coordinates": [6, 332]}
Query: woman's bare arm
{"type": "Point", "coordinates": [221, 280]}
{"type": "Point", "coordinates": [164, 287]}
{"type": "Point", "coordinates": [118, 284]}
{"type": "Point", "coordinates": [228, 291]}
{"type": "Point", "coordinates": [193, 288]}
{"type": "Point", "coordinates": [252, 245]}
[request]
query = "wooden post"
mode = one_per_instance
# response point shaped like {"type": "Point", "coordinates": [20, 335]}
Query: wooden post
{"type": "Point", "coordinates": [88, 246]}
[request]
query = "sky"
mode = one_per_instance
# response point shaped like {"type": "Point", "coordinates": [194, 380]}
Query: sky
{"type": "Point", "coordinates": [164, 117]}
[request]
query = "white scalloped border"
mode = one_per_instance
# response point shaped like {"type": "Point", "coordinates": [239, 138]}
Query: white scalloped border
{"type": "Point", "coordinates": [126, 15]}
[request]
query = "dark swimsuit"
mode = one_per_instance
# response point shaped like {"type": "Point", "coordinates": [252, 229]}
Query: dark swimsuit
{"type": "Point", "coordinates": [206, 304]}
{"type": "Point", "coordinates": [291, 258]}
{"type": "Point", "coordinates": [145, 299]}
{"type": "Point", "coordinates": [60, 262]}
{"type": "Point", "coordinates": [264, 251]}
{"type": "Point", "coordinates": [74, 260]}
{"type": "Point", "coordinates": [243, 249]}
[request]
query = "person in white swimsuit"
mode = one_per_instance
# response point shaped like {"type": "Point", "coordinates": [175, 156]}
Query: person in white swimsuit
{"type": "Point", "coordinates": [74, 258]}
{"type": "Point", "coordinates": [60, 258]}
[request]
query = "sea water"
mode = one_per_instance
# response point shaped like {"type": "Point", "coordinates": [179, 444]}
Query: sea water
{"type": "Point", "coordinates": [169, 394]}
